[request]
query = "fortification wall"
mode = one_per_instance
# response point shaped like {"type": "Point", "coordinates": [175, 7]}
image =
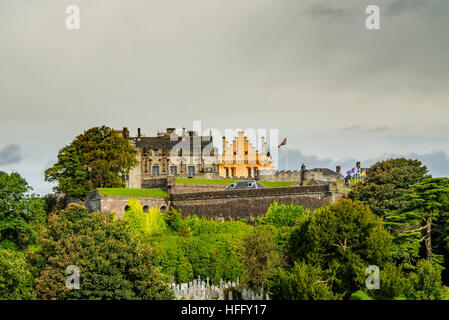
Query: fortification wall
{"type": "Point", "coordinates": [282, 175]}
{"type": "Point", "coordinates": [248, 204]}
{"type": "Point", "coordinates": [194, 187]}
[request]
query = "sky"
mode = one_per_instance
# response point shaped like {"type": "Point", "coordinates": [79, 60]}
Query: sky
{"type": "Point", "coordinates": [339, 92]}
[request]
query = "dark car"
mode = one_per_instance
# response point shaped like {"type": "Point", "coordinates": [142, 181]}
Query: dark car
{"type": "Point", "coordinates": [247, 184]}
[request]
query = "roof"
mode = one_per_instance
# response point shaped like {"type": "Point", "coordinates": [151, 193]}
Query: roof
{"type": "Point", "coordinates": [167, 142]}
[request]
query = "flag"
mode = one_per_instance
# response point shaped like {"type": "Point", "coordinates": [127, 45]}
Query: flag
{"type": "Point", "coordinates": [283, 143]}
{"type": "Point", "coordinates": [353, 170]}
{"type": "Point", "coordinates": [363, 173]}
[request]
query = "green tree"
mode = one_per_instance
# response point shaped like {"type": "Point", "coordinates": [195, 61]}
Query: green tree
{"type": "Point", "coordinates": [144, 223]}
{"type": "Point", "coordinates": [260, 256]}
{"type": "Point", "coordinates": [21, 214]}
{"type": "Point", "coordinates": [302, 282]}
{"type": "Point", "coordinates": [392, 284]}
{"type": "Point", "coordinates": [16, 280]}
{"type": "Point", "coordinates": [386, 184]}
{"type": "Point", "coordinates": [95, 159]}
{"type": "Point", "coordinates": [412, 225]}
{"type": "Point", "coordinates": [280, 215]}
{"type": "Point", "coordinates": [343, 238]}
{"type": "Point", "coordinates": [113, 263]}
{"type": "Point", "coordinates": [425, 283]}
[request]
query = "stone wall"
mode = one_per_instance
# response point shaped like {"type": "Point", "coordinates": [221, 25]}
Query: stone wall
{"type": "Point", "coordinates": [248, 204]}
{"type": "Point", "coordinates": [105, 204]}
{"type": "Point", "coordinates": [281, 175]}
{"type": "Point", "coordinates": [195, 187]}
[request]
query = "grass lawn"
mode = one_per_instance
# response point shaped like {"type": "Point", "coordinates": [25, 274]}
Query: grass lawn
{"type": "Point", "coordinates": [343, 188]}
{"type": "Point", "coordinates": [156, 192]}
{"type": "Point", "coordinates": [269, 184]}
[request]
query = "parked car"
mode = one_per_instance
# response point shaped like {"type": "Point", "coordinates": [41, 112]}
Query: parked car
{"type": "Point", "coordinates": [247, 184]}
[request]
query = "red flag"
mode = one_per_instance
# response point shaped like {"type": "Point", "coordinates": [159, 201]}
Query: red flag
{"type": "Point", "coordinates": [283, 143]}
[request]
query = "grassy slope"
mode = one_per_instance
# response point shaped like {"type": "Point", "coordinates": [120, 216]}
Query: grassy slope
{"type": "Point", "coordinates": [157, 193]}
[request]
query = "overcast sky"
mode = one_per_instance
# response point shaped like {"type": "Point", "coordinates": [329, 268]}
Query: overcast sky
{"type": "Point", "coordinates": [310, 69]}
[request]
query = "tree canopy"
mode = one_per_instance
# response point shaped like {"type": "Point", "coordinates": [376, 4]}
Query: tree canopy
{"type": "Point", "coordinates": [95, 159]}
{"type": "Point", "coordinates": [113, 263]}
{"type": "Point", "coordinates": [386, 184]}
{"type": "Point", "coordinates": [21, 214]}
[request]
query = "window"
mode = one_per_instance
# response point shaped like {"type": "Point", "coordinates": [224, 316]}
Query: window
{"type": "Point", "coordinates": [173, 170]}
{"type": "Point", "coordinates": [191, 171]}
{"type": "Point", "coordinates": [249, 172]}
{"type": "Point", "coordinates": [155, 170]}
{"type": "Point", "coordinates": [227, 172]}
{"type": "Point", "coordinates": [155, 152]}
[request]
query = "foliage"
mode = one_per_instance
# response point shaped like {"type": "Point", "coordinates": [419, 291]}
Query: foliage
{"type": "Point", "coordinates": [16, 280]}
{"type": "Point", "coordinates": [386, 184]}
{"type": "Point", "coordinates": [113, 263]}
{"type": "Point", "coordinates": [280, 215]}
{"type": "Point", "coordinates": [425, 283]}
{"type": "Point", "coordinates": [144, 223]}
{"type": "Point", "coordinates": [98, 158]}
{"type": "Point", "coordinates": [302, 282]}
{"type": "Point", "coordinates": [21, 214]}
{"type": "Point", "coordinates": [174, 220]}
{"type": "Point", "coordinates": [360, 295]}
{"type": "Point", "coordinates": [201, 247]}
{"type": "Point", "coordinates": [153, 192]}
{"type": "Point", "coordinates": [393, 282]}
{"type": "Point", "coordinates": [412, 225]}
{"type": "Point", "coordinates": [344, 238]}
{"type": "Point", "coordinates": [260, 256]}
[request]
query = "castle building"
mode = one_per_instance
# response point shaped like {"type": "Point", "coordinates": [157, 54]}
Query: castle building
{"type": "Point", "coordinates": [241, 159]}
{"type": "Point", "coordinates": [169, 154]}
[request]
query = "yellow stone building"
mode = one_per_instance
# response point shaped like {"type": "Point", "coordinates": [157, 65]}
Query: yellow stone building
{"type": "Point", "coordinates": [241, 159]}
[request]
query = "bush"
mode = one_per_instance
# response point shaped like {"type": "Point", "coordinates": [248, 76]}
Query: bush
{"type": "Point", "coordinates": [425, 283]}
{"type": "Point", "coordinates": [302, 282]}
{"type": "Point", "coordinates": [280, 215]}
{"type": "Point", "coordinates": [16, 280]}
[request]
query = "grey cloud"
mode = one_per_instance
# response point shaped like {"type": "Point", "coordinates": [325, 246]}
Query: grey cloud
{"type": "Point", "coordinates": [365, 130]}
{"type": "Point", "coordinates": [329, 11]}
{"type": "Point", "coordinates": [350, 128]}
{"type": "Point", "coordinates": [376, 130]}
{"type": "Point", "coordinates": [429, 10]}
{"type": "Point", "coordinates": [10, 154]}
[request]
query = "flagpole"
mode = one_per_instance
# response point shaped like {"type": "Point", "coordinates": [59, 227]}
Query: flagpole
{"type": "Point", "coordinates": [286, 157]}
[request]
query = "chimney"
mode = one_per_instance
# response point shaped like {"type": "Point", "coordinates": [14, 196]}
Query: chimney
{"type": "Point", "coordinates": [138, 133]}
{"type": "Point", "coordinates": [125, 133]}
{"type": "Point", "coordinates": [338, 169]}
